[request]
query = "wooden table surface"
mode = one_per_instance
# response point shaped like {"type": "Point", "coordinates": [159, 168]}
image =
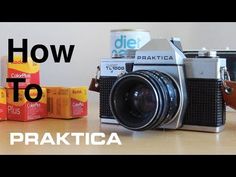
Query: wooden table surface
{"type": "Point", "coordinates": [147, 142]}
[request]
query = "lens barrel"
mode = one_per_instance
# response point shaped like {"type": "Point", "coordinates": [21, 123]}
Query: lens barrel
{"type": "Point", "coordinates": [144, 99]}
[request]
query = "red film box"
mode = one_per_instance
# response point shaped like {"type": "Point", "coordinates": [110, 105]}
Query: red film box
{"type": "Point", "coordinates": [23, 110]}
{"type": "Point", "coordinates": [3, 104]}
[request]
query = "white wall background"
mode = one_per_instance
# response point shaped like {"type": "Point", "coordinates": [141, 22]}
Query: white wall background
{"type": "Point", "coordinates": [92, 42]}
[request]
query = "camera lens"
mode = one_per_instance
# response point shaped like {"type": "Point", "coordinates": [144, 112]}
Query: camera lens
{"type": "Point", "coordinates": [144, 100]}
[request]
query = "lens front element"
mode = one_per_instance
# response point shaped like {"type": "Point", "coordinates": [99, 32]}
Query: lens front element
{"type": "Point", "coordinates": [141, 99]}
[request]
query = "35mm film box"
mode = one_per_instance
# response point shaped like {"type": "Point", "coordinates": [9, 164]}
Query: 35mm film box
{"type": "Point", "coordinates": [66, 102]}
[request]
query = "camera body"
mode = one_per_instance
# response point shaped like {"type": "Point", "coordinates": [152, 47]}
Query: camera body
{"type": "Point", "coordinates": [162, 89]}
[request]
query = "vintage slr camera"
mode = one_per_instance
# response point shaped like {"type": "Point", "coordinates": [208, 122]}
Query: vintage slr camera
{"type": "Point", "coordinates": [162, 89]}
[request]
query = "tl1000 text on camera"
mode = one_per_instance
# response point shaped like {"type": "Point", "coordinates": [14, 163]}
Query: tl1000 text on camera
{"type": "Point", "coordinates": [16, 79]}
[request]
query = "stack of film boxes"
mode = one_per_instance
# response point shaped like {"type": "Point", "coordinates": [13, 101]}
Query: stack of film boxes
{"type": "Point", "coordinates": [67, 102]}
{"type": "Point", "coordinates": [22, 110]}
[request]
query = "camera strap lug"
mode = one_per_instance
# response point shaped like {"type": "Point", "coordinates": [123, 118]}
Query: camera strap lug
{"type": "Point", "coordinates": [94, 84]}
{"type": "Point", "coordinates": [225, 77]}
{"type": "Point", "coordinates": [229, 88]}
